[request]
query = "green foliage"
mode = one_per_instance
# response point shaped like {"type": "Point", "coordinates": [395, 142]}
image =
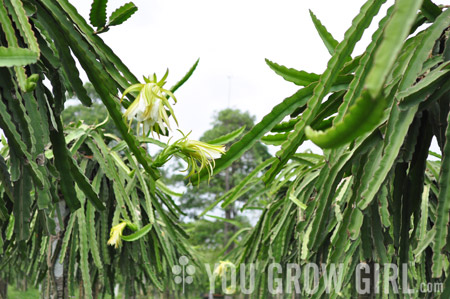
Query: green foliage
{"type": "Point", "coordinates": [97, 15]}
{"type": "Point", "coordinates": [323, 87]}
{"type": "Point", "coordinates": [30, 293]}
{"type": "Point", "coordinates": [300, 78]}
{"type": "Point", "coordinates": [122, 14]}
{"type": "Point", "coordinates": [16, 56]}
{"type": "Point", "coordinates": [208, 236]}
{"type": "Point", "coordinates": [373, 197]}
{"type": "Point", "coordinates": [87, 228]}
{"type": "Point", "coordinates": [326, 37]}
{"type": "Point", "coordinates": [64, 182]}
{"type": "Point", "coordinates": [227, 138]}
{"type": "Point", "coordinates": [138, 234]}
{"type": "Point", "coordinates": [443, 207]}
{"type": "Point", "coordinates": [96, 114]}
{"type": "Point", "coordinates": [362, 117]}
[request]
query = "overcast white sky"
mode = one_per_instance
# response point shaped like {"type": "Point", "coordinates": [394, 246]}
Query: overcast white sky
{"type": "Point", "coordinates": [232, 38]}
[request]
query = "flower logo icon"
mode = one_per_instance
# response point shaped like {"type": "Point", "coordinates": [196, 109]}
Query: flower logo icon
{"type": "Point", "coordinates": [183, 272]}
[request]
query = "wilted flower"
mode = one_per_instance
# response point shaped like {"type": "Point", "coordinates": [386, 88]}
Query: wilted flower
{"type": "Point", "coordinates": [199, 154]}
{"type": "Point", "coordinates": [221, 268]}
{"type": "Point", "coordinates": [230, 290]}
{"type": "Point", "coordinates": [116, 234]}
{"type": "Point", "coordinates": [115, 238]}
{"type": "Point", "coordinates": [149, 107]}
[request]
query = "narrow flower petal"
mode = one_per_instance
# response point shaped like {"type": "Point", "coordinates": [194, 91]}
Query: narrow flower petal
{"type": "Point", "coordinates": [149, 107]}
{"type": "Point", "coordinates": [134, 87]}
{"type": "Point", "coordinates": [199, 154]}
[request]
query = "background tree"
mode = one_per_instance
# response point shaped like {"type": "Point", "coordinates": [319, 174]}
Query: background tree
{"type": "Point", "coordinates": [197, 198]}
{"type": "Point", "coordinates": [92, 115]}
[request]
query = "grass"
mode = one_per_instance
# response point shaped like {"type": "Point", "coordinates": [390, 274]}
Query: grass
{"type": "Point", "coordinates": [30, 293]}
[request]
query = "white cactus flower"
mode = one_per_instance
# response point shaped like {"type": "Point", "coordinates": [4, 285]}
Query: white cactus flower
{"type": "Point", "coordinates": [149, 107]}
